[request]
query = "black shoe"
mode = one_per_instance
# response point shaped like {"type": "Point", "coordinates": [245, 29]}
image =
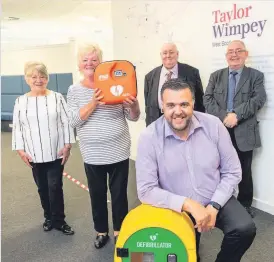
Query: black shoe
{"type": "Point", "coordinates": [250, 211]}
{"type": "Point", "coordinates": [101, 241]}
{"type": "Point", "coordinates": [47, 225]}
{"type": "Point", "coordinates": [66, 229]}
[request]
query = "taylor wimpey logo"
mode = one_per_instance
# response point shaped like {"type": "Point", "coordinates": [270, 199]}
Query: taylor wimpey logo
{"type": "Point", "coordinates": [231, 22]}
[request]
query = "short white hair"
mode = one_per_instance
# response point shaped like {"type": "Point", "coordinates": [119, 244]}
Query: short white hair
{"type": "Point", "coordinates": [32, 66]}
{"type": "Point", "coordinates": [237, 41]}
{"type": "Point", "coordinates": [169, 43]}
{"type": "Point", "coordinates": [86, 48]}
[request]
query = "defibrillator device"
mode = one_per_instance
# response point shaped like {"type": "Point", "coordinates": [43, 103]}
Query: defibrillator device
{"type": "Point", "coordinates": [116, 79]}
{"type": "Point", "coordinates": [151, 234]}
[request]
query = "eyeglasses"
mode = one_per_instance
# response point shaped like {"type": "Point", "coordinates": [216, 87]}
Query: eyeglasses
{"type": "Point", "coordinates": [237, 52]}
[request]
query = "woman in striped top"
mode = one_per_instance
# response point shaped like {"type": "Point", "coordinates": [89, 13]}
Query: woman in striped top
{"type": "Point", "coordinates": [42, 137]}
{"type": "Point", "coordinates": [104, 143]}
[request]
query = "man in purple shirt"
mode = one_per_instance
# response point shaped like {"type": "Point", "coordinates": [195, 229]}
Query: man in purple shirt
{"type": "Point", "coordinates": [186, 162]}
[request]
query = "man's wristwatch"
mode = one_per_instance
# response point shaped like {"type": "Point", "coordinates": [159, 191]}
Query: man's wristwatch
{"type": "Point", "coordinates": [215, 205]}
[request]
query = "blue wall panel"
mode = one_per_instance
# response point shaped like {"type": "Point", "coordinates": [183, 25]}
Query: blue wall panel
{"type": "Point", "coordinates": [63, 83]}
{"type": "Point", "coordinates": [11, 85]}
{"type": "Point", "coordinates": [52, 85]}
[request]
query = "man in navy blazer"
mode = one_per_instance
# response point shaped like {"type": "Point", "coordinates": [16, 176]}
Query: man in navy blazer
{"type": "Point", "coordinates": [169, 69]}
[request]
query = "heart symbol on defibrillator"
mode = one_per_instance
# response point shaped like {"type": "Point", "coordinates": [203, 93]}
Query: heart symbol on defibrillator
{"type": "Point", "coordinates": [153, 237]}
{"type": "Point", "coordinates": [117, 90]}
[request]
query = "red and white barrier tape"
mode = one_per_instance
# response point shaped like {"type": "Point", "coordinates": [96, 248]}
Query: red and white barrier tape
{"type": "Point", "coordinates": [78, 183]}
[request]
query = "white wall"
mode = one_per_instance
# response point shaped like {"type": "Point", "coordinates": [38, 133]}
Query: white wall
{"type": "Point", "coordinates": [57, 58]}
{"type": "Point", "coordinates": [141, 27]}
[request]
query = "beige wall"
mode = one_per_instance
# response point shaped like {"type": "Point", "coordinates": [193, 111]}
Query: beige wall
{"type": "Point", "coordinates": [58, 59]}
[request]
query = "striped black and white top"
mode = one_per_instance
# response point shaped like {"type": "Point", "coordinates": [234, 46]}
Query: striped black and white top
{"type": "Point", "coordinates": [41, 127]}
{"type": "Point", "coordinates": [104, 136]}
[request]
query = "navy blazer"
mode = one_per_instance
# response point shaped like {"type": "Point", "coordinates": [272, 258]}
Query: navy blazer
{"type": "Point", "coordinates": [186, 73]}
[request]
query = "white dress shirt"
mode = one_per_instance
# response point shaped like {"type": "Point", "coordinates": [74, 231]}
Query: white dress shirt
{"type": "Point", "coordinates": [163, 79]}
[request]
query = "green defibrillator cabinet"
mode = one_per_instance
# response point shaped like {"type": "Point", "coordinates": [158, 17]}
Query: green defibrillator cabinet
{"type": "Point", "coordinates": [151, 234]}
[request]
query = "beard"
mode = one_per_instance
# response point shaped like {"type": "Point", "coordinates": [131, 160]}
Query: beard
{"type": "Point", "coordinates": [181, 126]}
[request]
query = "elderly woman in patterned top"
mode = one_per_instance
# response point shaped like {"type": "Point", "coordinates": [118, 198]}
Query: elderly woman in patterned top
{"type": "Point", "coordinates": [104, 143]}
{"type": "Point", "coordinates": [42, 137]}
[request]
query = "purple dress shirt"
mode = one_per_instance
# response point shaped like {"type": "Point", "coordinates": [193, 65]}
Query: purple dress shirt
{"type": "Point", "coordinates": [205, 167]}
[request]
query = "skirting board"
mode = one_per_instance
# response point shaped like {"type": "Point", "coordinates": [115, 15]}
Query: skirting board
{"type": "Point", "coordinates": [264, 206]}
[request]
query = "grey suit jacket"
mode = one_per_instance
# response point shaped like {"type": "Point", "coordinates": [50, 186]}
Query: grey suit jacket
{"type": "Point", "coordinates": [250, 97]}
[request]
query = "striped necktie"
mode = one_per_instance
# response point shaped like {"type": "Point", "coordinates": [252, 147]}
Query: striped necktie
{"type": "Point", "coordinates": [168, 75]}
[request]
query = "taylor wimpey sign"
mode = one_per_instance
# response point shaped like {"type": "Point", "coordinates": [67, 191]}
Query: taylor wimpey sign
{"type": "Point", "coordinates": [232, 23]}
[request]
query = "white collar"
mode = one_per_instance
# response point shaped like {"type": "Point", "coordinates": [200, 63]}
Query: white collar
{"type": "Point", "coordinates": [174, 70]}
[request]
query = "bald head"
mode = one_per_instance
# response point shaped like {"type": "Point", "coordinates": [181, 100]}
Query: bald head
{"type": "Point", "coordinates": [169, 55]}
{"type": "Point", "coordinates": [169, 46]}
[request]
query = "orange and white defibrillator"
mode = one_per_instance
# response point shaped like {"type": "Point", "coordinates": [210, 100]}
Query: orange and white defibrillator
{"type": "Point", "coordinates": [117, 80]}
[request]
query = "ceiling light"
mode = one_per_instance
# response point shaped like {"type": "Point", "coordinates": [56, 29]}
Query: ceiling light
{"type": "Point", "coordinates": [11, 18]}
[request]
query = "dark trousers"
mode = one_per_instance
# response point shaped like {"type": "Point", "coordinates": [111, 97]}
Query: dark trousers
{"type": "Point", "coordinates": [49, 180]}
{"type": "Point", "coordinates": [97, 183]}
{"type": "Point", "coordinates": [246, 185]}
{"type": "Point", "coordinates": [238, 228]}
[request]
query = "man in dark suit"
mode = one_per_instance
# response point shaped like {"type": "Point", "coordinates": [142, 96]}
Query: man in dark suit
{"type": "Point", "coordinates": [170, 68]}
{"type": "Point", "coordinates": [235, 95]}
